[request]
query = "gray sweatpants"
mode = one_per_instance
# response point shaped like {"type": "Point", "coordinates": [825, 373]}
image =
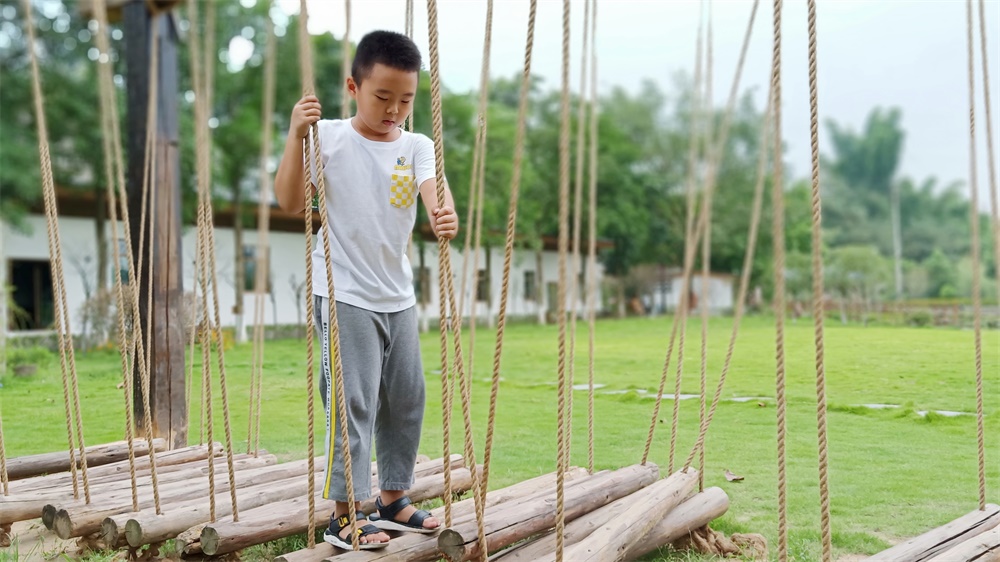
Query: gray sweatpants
{"type": "Point", "coordinates": [384, 393]}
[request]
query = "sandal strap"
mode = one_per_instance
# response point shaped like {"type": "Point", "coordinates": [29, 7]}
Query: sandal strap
{"type": "Point", "coordinates": [344, 522]}
{"type": "Point", "coordinates": [389, 512]}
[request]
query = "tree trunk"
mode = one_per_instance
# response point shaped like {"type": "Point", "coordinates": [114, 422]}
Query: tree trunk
{"type": "Point", "coordinates": [897, 240]}
{"type": "Point", "coordinates": [621, 297]}
{"type": "Point", "coordinates": [240, 281]}
{"type": "Point", "coordinates": [490, 318]}
{"type": "Point", "coordinates": [540, 287]}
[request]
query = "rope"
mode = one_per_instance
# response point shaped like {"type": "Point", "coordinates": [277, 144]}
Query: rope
{"type": "Point", "coordinates": [409, 33]}
{"type": "Point", "coordinates": [680, 319]}
{"type": "Point", "coordinates": [563, 240]}
{"type": "Point", "coordinates": [592, 236]}
{"type": "Point", "coordinates": [977, 304]}
{"type": "Point", "coordinates": [706, 255]}
{"type": "Point", "coordinates": [515, 190]}
{"type": "Point", "coordinates": [994, 205]}
{"type": "Point", "coordinates": [67, 357]}
{"type": "Point", "coordinates": [313, 153]}
{"type": "Point", "coordinates": [444, 262]}
{"type": "Point", "coordinates": [306, 72]}
{"type": "Point", "coordinates": [581, 120]}
{"type": "Point", "coordinates": [147, 210]}
{"type": "Point", "coordinates": [115, 177]}
{"type": "Point", "coordinates": [751, 237]}
{"type": "Point", "coordinates": [345, 46]}
{"type": "Point", "coordinates": [476, 184]}
{"type": "Point", "coordinates": [817, 290]}
{"type": "Point", "coordinates": [778, 235]}
{"type": "Point", "coordinates": [263, 246]}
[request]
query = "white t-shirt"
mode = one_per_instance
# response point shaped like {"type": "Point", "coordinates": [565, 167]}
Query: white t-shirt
{"type": "Point", "coordinates": [372, 189]}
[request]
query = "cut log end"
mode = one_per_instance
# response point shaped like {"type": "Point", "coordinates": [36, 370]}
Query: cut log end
{"type": "Point", "coordinates": [209, 540]}
{"type": "Point", "coordinates": [48, 514]}
{"type": "Point", "coordinates": [110, 533]}
{"type": "Point", "coordinates": [133, 533]}
{"type": "Point", "coordinates": [62, 525]}
{"type": "Point", "coordinates": [452, 544]}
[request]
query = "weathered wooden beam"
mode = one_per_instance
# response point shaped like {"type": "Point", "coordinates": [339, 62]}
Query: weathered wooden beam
{"type": "Point", "coordinates": [274, 522]}
{"type": "Point", "coordinates": [84, 520]}
{"type": "Point", "coordinates": [146, 528]}
{"type": "Point", "coordinates": [509, 525]}
{"type": "Point", "coordinates": [416, 547]}
{"type": "Point", "coordinates": [696, 511]}
{"type": "Point", "coordinates": [609, 542]}
{"type": "Point", "coordinates": [97, 455]}
{"type": "Point", "coordinates": [981, 548]}
{"type": "Point", "coordinates": [117, 470]}
{"type": "Point", "coordinates": [936, 541]}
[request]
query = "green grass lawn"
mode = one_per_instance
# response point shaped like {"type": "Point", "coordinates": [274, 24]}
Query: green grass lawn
{"type": "Point", "coordinates": [893, 473]}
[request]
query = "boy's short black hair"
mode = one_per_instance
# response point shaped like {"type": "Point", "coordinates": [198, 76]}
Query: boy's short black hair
{"type": "Point", "coordinates": [392, 49]}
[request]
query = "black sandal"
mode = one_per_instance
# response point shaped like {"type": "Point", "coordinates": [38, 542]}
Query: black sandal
{"type": "Point", "coordinates": [338, 524]}
{"type": "Point", "coordinates": [386, 519]}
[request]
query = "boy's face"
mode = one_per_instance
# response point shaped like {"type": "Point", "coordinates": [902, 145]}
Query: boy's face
{"type": "Point", "coordinates": [384, 99]}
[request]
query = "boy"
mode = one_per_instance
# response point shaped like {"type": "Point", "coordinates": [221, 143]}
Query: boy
{"type": "Point", "coordinates": [371, 169]}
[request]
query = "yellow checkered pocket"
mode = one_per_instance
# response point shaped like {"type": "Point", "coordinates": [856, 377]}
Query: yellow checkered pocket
{"type": "Point", "coordinates": [401, 191]}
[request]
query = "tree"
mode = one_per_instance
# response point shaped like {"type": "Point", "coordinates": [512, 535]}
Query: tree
{"type": "Point", "coordinates": [865, 164]}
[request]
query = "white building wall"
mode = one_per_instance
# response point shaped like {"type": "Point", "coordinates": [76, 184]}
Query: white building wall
{"type": "Point", "coordinates": [287, 268]}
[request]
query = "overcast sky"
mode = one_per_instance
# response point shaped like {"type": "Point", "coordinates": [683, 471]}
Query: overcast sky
{"type": "Point", "coordinates": [905, 53]}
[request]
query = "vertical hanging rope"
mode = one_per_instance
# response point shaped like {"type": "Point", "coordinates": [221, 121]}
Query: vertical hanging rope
{"type": "Point", "coordinates": [977, 304]}
{"type": "Point", "coordinates": [577, 202]}
{"type": "Point", "coordinates": [444, 263]}
{"type": "Point", "coordinates": [61, 315]}
{"type": "Point", "coordinates": [313, 153]}
{"type": "Point", "coordinates": [515, 190]}
{"type": "Point", "coordinates": [592, 238]}
{"type": "Point", "coordinates": [706, 255]}
{"type": "Point", "coordinates": [263, 245]}
{"type": "Point", "coordinates": [345, 47]}
{"type": "Point", "coordinates": [306, 72]}
{"type": "Point", "coordinates": [817, 290]}
{"type": "Point", "coordinates": [150, 203]}
{"type": "Point", "coordinates": [991, 154]}
{"type": "Point", "coordinates": [778, 235]}
{"type": "Point", "coordinates": [563, 241]}
{"type": "Point", "coordinates": [751, 235]}
{"type": "Point", "coordinates": [115, 178]}
{"type": "Point", "coordinates": [680, 317]}
{"type": "Point", "coordinates": [205, 327]}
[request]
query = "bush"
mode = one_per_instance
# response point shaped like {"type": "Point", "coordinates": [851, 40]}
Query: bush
{"type": "Point", "coordinates": [23, 361]}
{"type": "Point", "coordinates": [919, 318]}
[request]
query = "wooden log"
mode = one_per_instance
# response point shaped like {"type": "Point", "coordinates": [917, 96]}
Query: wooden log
{"type": "Point", "coordinates": [696, 511]}
{"type": "Point", "coordinates": [288, 518]}
{"type": "Point", "coordinates": [119, 469]}
{"type": "Point", "coordinates": [189, 541]}
{"type": "Point", "coordinates": [409, 543]}
{"type": "Point", "coordinates": [47, 463]}
{"type": "Point", "coordinates": [509, 525]}
{"type": "Point", "coordinates": [145, 527]}
{"type": "Point", "coordinates": [83, 520]}
{"type": "Point", "coordinates": [650, 504]}
{"type": "Point", "coordinates": [936, 541]}
{"type": "Point", "coordinates": [981, 548]}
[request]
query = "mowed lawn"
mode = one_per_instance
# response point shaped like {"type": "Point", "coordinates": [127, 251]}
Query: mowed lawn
{"type": "Point", "coordinates": [893, 472]}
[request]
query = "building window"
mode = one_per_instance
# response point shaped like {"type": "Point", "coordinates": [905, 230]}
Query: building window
{"type": "Point", "coordinates": [31, 306]}
{"type": "Point", "coordinates": [250, 262]}
{"type": "Point", "coordinates": [482, 286]}
{"type": "Point", "coordinates": [530, 289]}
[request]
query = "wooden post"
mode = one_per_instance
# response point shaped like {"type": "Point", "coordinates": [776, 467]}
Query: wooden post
{"type": "Point", "coordinates": [162, 247]}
